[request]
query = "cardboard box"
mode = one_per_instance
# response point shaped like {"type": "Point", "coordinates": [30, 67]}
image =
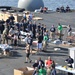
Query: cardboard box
{"type": "Point", "coordinates": [24, 71]}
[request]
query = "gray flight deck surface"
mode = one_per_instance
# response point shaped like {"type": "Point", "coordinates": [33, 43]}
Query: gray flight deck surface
{"type": "Point", "coordinates": [8, 64]}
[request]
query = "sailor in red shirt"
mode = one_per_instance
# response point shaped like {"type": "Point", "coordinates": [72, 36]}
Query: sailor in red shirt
{"type": "Point", "coordinates": [49, 62]}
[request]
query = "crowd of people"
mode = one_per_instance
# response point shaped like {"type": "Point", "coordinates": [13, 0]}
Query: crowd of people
{"type": "Point", "coordinates": [39, 33]}
{"type": "Point", "coordinates": [11, 31]}
{"type": "Point", "coordinates": [62, 9]}
{"type": "Point", "coordinates": [48, 67]}
{"type": "Point", "coordinates": [44, 68]}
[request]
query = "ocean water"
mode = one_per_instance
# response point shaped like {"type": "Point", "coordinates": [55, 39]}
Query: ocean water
{"type": "Point", "coordinates": [51, 4]}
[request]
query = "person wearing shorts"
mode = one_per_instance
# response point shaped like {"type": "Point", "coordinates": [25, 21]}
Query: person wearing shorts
{"type": "Point", "coordinates": [29, 41]}
{"type": "Point", "coordinates": [39, 45]}
{"type": "Point", "coordinates": [28, 54]}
